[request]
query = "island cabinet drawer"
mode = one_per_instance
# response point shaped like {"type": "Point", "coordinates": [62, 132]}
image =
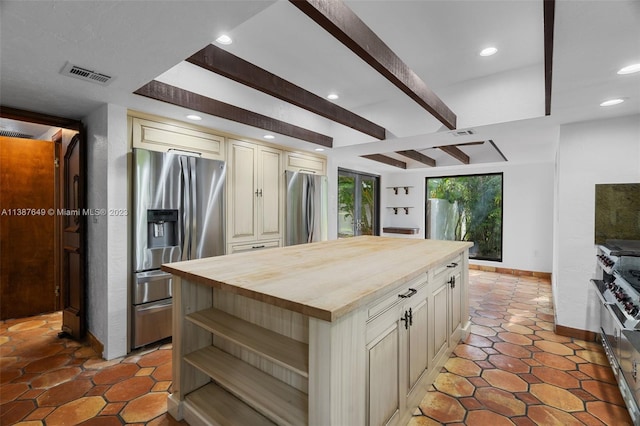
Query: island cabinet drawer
{"type": "Point", "coordinates": [452, 265]}
{"type": "Point", "coordinates": [397, 297]}
{"type": "Point", "coordinates": [254, 246]}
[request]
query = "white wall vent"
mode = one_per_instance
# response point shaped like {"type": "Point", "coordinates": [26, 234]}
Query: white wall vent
{"type": "Point", "coordinates": [462, 132]}
{"type": "Point", "coordinates": [12, 134]}
{"type": "Point", "coordinates": [85, 74]}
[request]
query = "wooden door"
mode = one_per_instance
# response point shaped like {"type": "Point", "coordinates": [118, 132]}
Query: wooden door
{"type": "Point", "coordinates": [243, 193]}
{"type": "Point", "coordinates": [73, 172]}
{"type": "Point", "coordinates": [27, 227]}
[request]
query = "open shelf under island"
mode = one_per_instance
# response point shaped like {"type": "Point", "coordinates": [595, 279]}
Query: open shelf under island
{"type": "Point", "coordinates": [345, 332]}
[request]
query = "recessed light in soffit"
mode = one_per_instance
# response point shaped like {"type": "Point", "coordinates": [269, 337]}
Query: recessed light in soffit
{"type": "Point", "coordinates": [224, 39]}
{"type": "Point", "coordinates": [612, 102]}
{"type": "Point", "coordinates": [488, 51]}
{"type": "Point", "coordinates": [630, 69]}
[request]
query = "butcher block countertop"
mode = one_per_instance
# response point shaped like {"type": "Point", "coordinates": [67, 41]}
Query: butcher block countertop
{"type": "Point", "coordinates": [325, 280]}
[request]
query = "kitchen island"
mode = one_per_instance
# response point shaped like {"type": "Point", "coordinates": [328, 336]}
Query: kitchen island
{"type": "Point", "coordinates": [345, 332]}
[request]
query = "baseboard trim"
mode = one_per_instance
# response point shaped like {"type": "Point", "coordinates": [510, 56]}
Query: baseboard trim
{"type": "Point", "coordinates": [585, 335]}
{"type": "Point", "coordinates": [510, 271]}
{"type": "Point", "coordinates": [95, 344]}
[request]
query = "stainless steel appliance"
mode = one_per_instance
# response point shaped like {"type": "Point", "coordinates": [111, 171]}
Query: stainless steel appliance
{"type": "Point", "coordinates": [306, 211]}
{"type": "Point", "coordinates": [617, 285]}
{"type": "Point", "coordinates": [178, 214]}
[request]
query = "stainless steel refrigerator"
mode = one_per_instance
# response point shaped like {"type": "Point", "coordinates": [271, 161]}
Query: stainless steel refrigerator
{"type": "Point", "coordinates": [178, 214]}
{"type": "Point", "coordinates": [306, 210]}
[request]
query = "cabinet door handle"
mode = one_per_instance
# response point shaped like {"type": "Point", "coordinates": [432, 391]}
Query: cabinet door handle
{"type": "Point", "coordinates": [257, 247]}
{"type": "Point", "coordinates": [258, 192]}
{"type": "Point", "coordinates": [452, 282]}
{"type": "Point", "coordinates": [634, 372]}
{"type": "Point", "coordinates": [452, 265]}
{"type": "Point", "coordinates": [408, 294]}
{"type": "Point", "coordinates": [406, 320]}
{"type": "Point", "coordinates": [410, 317]}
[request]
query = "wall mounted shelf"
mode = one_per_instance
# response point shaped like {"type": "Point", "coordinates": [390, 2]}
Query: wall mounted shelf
{"type": "Point", "coordinates": [405, 231]}
{"type": "Point", "coordinates": [396, 188]}
{"type": "Point", "coordinates": [395, 209]}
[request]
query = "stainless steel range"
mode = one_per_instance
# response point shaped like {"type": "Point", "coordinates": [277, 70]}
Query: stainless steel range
{"type": "Point", "coordinates": [618, 288]}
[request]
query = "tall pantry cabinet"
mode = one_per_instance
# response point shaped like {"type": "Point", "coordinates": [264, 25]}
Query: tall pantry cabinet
{"type": "Point", "coordinates": [255, 199]}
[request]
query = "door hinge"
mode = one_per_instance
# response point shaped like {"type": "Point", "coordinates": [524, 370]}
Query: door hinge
{"type": "Point", "coordinates": [57, 290]}
{"type": "Point", "coordinates": [56, 162]}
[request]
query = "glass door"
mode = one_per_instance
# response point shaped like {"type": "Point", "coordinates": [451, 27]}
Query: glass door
{"type": "Point", "coordinates": [358, 195]}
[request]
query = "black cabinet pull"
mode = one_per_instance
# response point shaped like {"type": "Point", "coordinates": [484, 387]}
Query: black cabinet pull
{"type": "Point", "coordinates": [452, 281]}
{"type": "Point", "coordinates": [408, 294]}
{"type": "Point", "coordinates": [452, 265]}
{"type": "Point", "coordinates": [257, 247]}
{"type": "Point", "coordinates": [407, 318]}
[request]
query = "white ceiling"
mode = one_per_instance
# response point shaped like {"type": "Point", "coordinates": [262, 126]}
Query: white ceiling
{"type": "Point", "coordinates": [500, 97]}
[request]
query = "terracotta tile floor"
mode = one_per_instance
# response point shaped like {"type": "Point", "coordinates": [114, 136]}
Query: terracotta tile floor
{"type": "Point", "coordinates": [512, 370]}
{"type": "Point", "coordinates": [45, 380]}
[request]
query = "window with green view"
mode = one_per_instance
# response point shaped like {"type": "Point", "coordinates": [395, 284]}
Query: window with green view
{"type": "Point", "coordinates": [467, 208]}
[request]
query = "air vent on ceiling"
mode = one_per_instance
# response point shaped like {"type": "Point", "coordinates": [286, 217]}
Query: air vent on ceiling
{"type": "Point", "coordinates": [85, 74]}
{"type": "Point", "coordinates": [462, 132]}
{"type": "Point", "coordinates": [12, 134]}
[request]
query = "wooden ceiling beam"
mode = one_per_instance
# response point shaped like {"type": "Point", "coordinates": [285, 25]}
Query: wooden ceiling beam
{"type": "Point", "coordinates": [221, 62]}
{"type": "Point", "coordinates": [549, 11]}
{"type": "Point", "coordinates": [386, 160]}
{"type": "Point", "coordinates": [418, 156]}
{"type": "Point", "coordinates": [184, 98]}
{"type": "Point", "coordinates": [455, 152]}
{"type": "Point", "coordinates": [341, 22]}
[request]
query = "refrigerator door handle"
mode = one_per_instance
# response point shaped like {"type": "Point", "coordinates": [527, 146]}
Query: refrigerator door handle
{"type": "Point", "coordinates": [311, 210]}
{"type": "Point", "coordinates": [192, 208]}
{"type": "Point", "coordinates": [186, 208]}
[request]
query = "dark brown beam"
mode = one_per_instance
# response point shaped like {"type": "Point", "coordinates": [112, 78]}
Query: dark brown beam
{"type": "Point", "coordinates": [340, 21]}
{"type": "Point", "coordinates": [497, 150]}
{"type": "Point", "coordinates": [237, 69]}
{"type": "Point", "coordinates": [386, 160]}
{"type": "Point", "coordinates": [177, 96]}
{"type": "Point", "coordinates": [418, 156]}
{"type": "Point", "coordinates": [456, 153]}
{"type": "Point", "coordinates": [34, 117]}
{"type": "Point", "coordinates": [549, 19]}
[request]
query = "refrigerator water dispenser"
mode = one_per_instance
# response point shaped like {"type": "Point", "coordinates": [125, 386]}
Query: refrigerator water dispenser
{"type": "Point", "coordinates": [162, 226]}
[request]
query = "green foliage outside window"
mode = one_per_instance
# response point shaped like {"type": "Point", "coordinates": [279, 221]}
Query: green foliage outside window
{"type": "Point", "coordinates": [347, 202]}
{"type": "Point", "coordinates": [478, 201]}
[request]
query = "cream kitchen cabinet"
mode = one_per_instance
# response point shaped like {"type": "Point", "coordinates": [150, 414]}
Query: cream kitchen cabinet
{"type": "Point", "coordinates": [448, 296]}
{"type": "Point", "coordinates": [302, 162]}
{"type": "Point", "coordinates": [255, 199]}
{"type": "Point", "coordinates": [165, 135]}
{"type": "Point", "coordinates": [397, 353]}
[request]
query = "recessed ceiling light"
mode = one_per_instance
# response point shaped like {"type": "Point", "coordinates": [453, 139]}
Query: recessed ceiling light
{"type": "Point", "coordinates": [332, 96]}
{"type": "Point", "coordinates": [269, 137]}
{"type": "Point", "coordinates": [611, 102]}
{"type": "Point", "coordinates": [488, 51]}
{"type": "Point", "coordinates": [224, 39]}
{"type": "Point", "coordinates": [319, 149]}
{"type": "Point", "coordinates": [630, 69]}
{"type": "Point", "coordinates": [194, 117]}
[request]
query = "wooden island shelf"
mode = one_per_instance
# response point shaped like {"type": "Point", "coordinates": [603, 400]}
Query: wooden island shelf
{"type": "Point", "coordinates": [345, 332]}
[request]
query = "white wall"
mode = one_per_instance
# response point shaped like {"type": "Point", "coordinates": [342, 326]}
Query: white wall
{"type": "Point", "coordinates": [527, 209]}
{"type": "Point", "coordinates": [107, 240]}
{"type": "Point", "coordinates": [589, 153]}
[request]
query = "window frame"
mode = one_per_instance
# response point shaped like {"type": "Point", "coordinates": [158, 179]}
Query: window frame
{"type": "Point", "coordinates": [501, 174]}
